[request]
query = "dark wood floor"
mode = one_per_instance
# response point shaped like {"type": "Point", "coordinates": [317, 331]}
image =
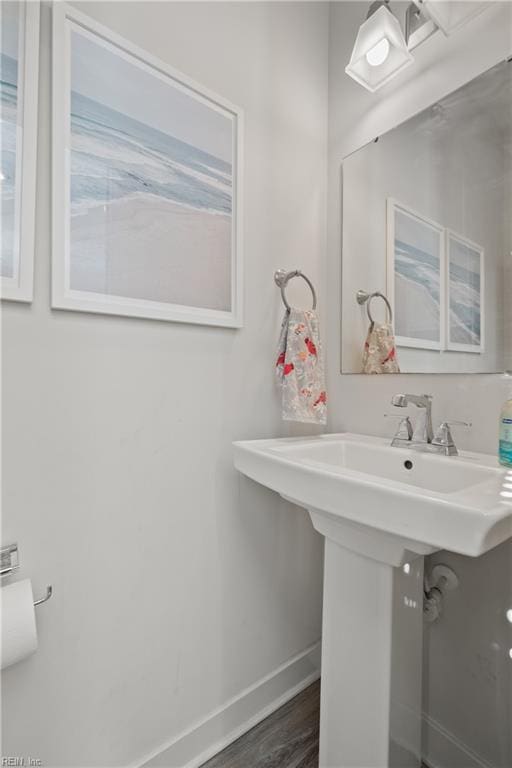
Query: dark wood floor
{"type": "Point", "coordinates": [286, 739]}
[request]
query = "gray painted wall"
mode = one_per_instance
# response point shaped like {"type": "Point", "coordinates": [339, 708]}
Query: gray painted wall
{"type": "Point", "coordinates": [177, 582]}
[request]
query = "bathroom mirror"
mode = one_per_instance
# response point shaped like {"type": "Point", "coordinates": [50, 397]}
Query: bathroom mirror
{"type": "Point", "coordinates": [427, 225]}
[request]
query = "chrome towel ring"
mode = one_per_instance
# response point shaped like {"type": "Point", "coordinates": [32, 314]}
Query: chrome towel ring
{"type": "Point", "coordinates": [363, 297]}
{"type": "Point", "coordinates": [281, 278]}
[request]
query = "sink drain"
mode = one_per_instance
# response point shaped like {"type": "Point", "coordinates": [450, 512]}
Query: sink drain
{"type": "Point", "coordinates": [408, 464]}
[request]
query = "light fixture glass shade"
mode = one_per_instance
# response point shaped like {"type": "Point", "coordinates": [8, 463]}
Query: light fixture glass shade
{"type": "Point", "coordinates": [450, 15]}
{"type": "Point", "coordinates": [368, 66]}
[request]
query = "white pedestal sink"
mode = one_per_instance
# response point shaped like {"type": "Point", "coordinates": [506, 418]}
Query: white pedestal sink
{"type": "Point", "coordinates": [381, 509]}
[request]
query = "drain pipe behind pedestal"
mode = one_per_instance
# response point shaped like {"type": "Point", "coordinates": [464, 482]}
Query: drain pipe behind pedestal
{"type": "Point", "coordinates": [441, 579]}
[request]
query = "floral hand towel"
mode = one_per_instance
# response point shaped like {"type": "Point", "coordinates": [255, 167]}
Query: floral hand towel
{"type": "Point", "coordinates": [379, 354]}
{"type": "Point", "coordinates": [299, 368]}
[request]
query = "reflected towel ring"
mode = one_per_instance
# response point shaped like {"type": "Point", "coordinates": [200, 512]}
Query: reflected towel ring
{"type": "Point", "coordinates": [281, 278]}
{"type": "Point", "coordinates": [362, 297]}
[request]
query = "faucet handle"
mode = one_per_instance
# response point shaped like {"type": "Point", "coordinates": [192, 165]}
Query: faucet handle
{"type": "Point", "coordinates": [443, 436]}
{"type": "Point", "coordinates": [444, 427]}
{"type": "Point", "coordinates": [404, 430]}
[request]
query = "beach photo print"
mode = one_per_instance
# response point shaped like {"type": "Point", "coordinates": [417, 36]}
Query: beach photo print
{"type": "Point", "coordinates": [19, 57]}
{"type": "Point", "coordinates": [147, 169]}
{"type": "Point", "coordinates": [416, 267]}
{"type": "Point", "coordinates": [465, 294]}
{"type": "Point", "coordinates": [435, 283]}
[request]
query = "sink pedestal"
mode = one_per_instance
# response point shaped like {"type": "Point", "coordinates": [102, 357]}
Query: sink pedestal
{"type": "Point", "coordinates": [371, 648]}
{"type": "Point", "coordinates": [379, 509]}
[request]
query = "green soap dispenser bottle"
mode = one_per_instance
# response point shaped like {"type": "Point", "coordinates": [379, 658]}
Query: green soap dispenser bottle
{"type": "Point", "coordinates": [505, 448]}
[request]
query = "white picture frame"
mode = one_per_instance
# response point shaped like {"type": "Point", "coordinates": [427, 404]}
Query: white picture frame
{"type": "Point", "coordinates": [469, 288]}
{"type": "Point", "coordinates": [73, 28]}
{"type": "Point", "coordinates": [18, 217]}
{"type": "Point", "coordinates": [424, 280]}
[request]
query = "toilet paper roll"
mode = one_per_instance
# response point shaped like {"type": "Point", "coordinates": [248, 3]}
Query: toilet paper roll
{"type": "Point", "coordinates": [19, 634]}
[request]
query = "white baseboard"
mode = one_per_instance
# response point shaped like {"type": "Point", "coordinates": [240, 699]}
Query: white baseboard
{"type": "Point", "coordinates": [219, 728]}
{"type": "Point", "coordinates": [441, 749]}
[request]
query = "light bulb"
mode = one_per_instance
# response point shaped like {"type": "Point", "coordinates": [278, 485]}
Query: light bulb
{"type": "Point", "coordinates": [378, 54]}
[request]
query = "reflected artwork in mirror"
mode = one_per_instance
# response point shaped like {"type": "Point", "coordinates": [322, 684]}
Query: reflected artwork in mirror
{"type": "Point", "coordinates": [427, 222]}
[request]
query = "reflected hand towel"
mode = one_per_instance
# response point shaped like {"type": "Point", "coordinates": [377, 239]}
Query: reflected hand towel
{"type": "Point", "coordinates": [299, 368]}
{"type": "Point", "coordinates": [379, 354]}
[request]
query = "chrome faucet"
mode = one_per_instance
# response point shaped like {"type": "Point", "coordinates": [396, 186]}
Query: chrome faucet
{"type": "Point", "coordinates": [423, 431]}
{"type": "Point", "coordinates": [422, 436]}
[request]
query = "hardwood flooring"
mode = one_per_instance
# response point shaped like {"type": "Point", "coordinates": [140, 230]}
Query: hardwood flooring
{"type": "Point", "coordinates": [286, 739]}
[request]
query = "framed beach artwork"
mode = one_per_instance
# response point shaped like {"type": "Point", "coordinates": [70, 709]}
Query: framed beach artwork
{"type": "Point", "coordinates": [464, 295]}
{"type": "Point", "coordinates": [19, 67]}
{"type": "Point", "coordinates": [415, 277]}
{"type": "Point", "coordinates": [147, 186]}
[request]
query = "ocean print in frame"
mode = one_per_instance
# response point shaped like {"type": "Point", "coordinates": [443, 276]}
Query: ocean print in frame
{"type": "Point", "coordinates": [19, 68]}
{"type": "Point", "coordinates": [416, 277]}
{"type": "Point", "coordinates": [147, 186]}
{"type": "Point", "coordinates": [465, 326]}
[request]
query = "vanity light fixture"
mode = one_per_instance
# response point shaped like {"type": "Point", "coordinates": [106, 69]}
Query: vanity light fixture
{"type": "Point", "coordinates": [419, 25]}
{"type": "Point", "coordinates": [380, 50]}
{"type": "Point", "coordinates": [450, 16]}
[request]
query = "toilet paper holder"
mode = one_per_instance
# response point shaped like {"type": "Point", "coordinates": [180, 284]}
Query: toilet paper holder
{"type": "Point", "coordinates": [10, 562]}
{"type": "Point", "coordinates": [49, 593]}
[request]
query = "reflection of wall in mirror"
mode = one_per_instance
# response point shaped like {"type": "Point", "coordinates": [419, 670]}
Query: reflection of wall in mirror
{"type": "Point", "coordinates": [459, 178]}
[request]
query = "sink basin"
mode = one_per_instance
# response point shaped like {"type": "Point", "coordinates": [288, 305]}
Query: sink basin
{"type": "Point", "coordinates": [381, 509]}
{"type": "Point", "coordinates": [441, 502]}
{"type": "Point", "coordinates": [430, 472]}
